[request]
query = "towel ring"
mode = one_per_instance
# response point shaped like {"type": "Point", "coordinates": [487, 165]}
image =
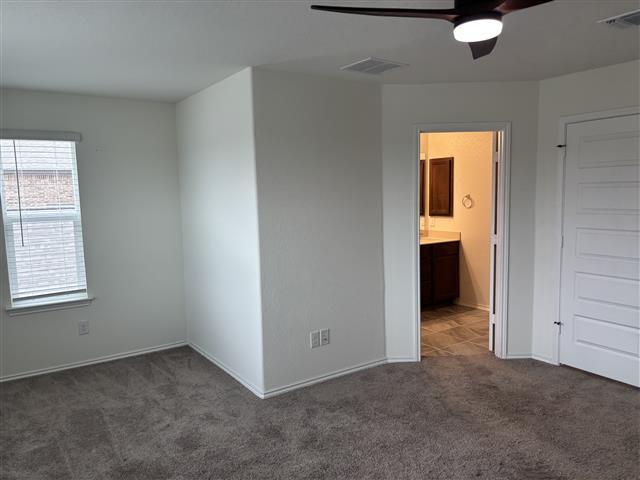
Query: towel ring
{"type": "Point", "coordinates": [467, 201]}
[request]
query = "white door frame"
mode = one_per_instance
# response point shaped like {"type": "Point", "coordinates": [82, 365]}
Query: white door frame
{"type": "Point", "coordinates": [502, 238]}
{"type": "Point", "coordinates": [562, 140]}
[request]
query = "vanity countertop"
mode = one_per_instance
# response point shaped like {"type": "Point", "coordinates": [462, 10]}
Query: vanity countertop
{"type": "Point", "coordinates": [437, 236]}
{"type": "Point", "coordinates": [431, 240]}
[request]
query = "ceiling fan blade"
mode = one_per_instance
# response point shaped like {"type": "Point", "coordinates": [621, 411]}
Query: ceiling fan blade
{"type": "Point", "coordinates": [480, 49]}
{"type": "Point", "coordinates": [443, 14]}
{"type": "Point", "coordinates": [470, 7]}
{"type": "Point", "coordinates": [509, 6]}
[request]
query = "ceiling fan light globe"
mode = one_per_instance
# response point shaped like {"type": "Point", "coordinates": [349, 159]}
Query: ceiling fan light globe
{"type": "Point", "coordinates": [477, 29]}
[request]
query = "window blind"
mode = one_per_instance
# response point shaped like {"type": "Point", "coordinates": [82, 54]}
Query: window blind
{"type": "Point", "coordinates": [41, 216]}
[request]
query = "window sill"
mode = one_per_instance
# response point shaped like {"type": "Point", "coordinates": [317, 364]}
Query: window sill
{"type": "Point", "coordinates": [29, 308]}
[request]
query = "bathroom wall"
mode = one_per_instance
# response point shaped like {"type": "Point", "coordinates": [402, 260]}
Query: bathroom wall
{"type": "Point", "coordinates": [473, 154]}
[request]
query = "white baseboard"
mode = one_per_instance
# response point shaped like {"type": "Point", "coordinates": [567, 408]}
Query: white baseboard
{"type": "Point", "coordinates": [401, 359]}
{"type": "Point", "coordinates": [473, 305]}
{"type": "Point", "coordinates": [247, 384]}
{"type": "Point", "coordinates": [257, 391]}
{"type": "Point", "coordinates": [531, 356]}
{"type": "Point", "coordinates": [272, 392]}
{"type": "Point", "coordinates": [93, 361]}
{"type": "Point", "coordinates": [517, 356]}
{"type": "Point", "coordinates": [540, 358]}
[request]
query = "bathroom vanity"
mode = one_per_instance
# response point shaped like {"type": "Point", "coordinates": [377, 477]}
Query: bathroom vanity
{"type": "Point", "coordinates": [439, 270]}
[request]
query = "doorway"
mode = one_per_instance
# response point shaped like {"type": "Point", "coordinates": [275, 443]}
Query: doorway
{"type": "Point", "coordinates": [461, 238]}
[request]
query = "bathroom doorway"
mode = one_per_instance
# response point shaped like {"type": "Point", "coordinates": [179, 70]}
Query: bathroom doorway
{"type": "Point", "coordinates": [461, 223]}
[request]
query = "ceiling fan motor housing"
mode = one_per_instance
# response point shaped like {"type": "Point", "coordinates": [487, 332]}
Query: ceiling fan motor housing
{"type": "Point", "coordinates": [478, 16]}
{"type": "Point", "coordinates": [480, 27]}
{"type": "Point", "coordinates": [476, 22]}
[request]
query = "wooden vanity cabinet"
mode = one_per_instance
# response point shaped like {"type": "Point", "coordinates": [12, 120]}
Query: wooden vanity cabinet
{"type": "Point", "coordinates": [439, 273]}
{"type": "Point", "coordinates": [426, 286]}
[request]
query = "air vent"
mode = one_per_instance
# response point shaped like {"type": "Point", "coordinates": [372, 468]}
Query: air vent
{"type": "Point", "coordinates": [625, 20]}
{"type": "Point", "coordinates": [372, 66]}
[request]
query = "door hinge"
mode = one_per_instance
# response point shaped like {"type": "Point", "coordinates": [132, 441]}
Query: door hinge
{"type": "Point", "coordinates": [562, 241]}
{"type": "Point", "coordinates": [493, 337]}
{"type": "Point", "coordinates": [564, 150]}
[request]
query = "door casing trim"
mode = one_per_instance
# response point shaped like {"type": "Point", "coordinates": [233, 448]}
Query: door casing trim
{"type": "Point", "coordinates": [565, 121]}
{"type": "Point", "coordinates": [504, 181]}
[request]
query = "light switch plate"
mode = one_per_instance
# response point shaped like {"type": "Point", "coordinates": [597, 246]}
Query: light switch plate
{"type": "Point", "coordinates": [324, 336]}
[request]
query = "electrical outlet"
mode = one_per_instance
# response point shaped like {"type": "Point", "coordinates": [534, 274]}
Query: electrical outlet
{"type": "Point", "coordinates": [324, 336]}
{"type": "Point", "coordinates": [83, 327]}
{"type": "Point", "coordinates": [432, 221]}
{"type": "Point", "coordinates": [315, 339]}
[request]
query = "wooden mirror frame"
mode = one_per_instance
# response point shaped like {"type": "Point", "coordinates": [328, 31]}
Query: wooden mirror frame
{"type": "Point", "coordinates": [423, 181]}
{"type": "Point", "coordinates": [441, 187]}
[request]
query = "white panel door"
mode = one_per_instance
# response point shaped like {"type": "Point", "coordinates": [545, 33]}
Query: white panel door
{"type": "Point", "coordinates": [600, 296]}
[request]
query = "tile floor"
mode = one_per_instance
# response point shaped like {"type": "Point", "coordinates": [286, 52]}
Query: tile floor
{"type": "Point", "coordinates": [454, 330]}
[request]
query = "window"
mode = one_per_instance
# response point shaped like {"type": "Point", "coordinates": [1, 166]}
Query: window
{"type": "Point", "coordinates": [41, 216]}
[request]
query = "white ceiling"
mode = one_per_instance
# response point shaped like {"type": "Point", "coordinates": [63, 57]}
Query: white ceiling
{"type": "Point", "coordinates": [167, 50]}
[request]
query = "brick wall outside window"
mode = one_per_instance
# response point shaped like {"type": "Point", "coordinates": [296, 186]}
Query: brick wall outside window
{"type": "Point", "coordinates": [39, 189]}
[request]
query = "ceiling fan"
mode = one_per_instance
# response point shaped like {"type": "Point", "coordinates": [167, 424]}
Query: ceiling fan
{"type": "Point", "coordinates": [476, 22]}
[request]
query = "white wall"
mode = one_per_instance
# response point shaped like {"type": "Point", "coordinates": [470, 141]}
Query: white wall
{"type": "Point", "coordinates": [617, 86]}
{"type": "Point", "coordinates": [320, 202]}
{"type": "Point", "coordinates": [314, 162]}
{"type": "Point", "coordinates": [404, 106]}
{"type": "Point", "coordinates": [220, 226]}
{"type": "Point", "coordinates": [472, 174]}
{"type": "Point", "coordinates": [127, 171]}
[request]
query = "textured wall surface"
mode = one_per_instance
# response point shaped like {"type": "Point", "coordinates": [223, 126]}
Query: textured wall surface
{"type": "Point", "coordinates": [128, 177]}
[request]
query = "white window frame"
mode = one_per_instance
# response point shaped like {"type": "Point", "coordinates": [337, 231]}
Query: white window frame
{"type": "Point", "coordinates": [55, 301]}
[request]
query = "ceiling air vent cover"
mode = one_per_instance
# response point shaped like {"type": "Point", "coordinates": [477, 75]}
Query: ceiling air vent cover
{"type": "Point", "coordinates": [624, 20]}
{"type": "Point", "coordinates": [372, 66]}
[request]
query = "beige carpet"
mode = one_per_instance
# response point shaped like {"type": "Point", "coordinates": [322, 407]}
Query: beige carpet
{"type": "Point", "coordinates": [173, 415]}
